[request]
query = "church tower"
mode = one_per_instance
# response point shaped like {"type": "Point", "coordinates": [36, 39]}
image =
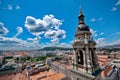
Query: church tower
{"type": "Point", "coordinates": [84, 63]}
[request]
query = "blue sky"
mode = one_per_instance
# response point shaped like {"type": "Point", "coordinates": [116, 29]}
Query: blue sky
{"type": "Point", "coordinates": [34, 24]}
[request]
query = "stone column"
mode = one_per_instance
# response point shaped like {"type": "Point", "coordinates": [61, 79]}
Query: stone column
{"type": "Point", "coordinates": [75, 59]}
{"type": "Point", "coordinates": [95, 59]}
{"type": "Point", "coordinates": [92, 60]}
{"type": "Point", "coordinates": [84, 59]}
{"type": "Point", "coordinates": [88, 60]}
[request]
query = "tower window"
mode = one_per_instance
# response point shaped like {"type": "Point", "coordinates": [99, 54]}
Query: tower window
{"type": "Point", "coordinates": [80, 57]}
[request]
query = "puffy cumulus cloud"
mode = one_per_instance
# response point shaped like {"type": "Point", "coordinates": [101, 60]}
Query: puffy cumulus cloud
{"type": "Point", "coordinates": [3, 30]}
{"type": "Point", "coordinates": [54, 41]}
{"type": "Point", "coordinates": [101, 42]}
{"type": "Point", "coordinates": [55, 35]}
{"type": "Point", "coordinates": [61, 34]}
{"type": "Point", "coordinates": [51, 34]}
{"type": "Point", "coordinates": [20, 30]}
{"type": "Point", "coordinates": [38, 26]}
{"type": "Point", "coordinates": [49, 26]}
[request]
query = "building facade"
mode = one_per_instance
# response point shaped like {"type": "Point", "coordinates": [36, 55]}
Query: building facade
{"type": "Point", "coordinates": [84, 63]}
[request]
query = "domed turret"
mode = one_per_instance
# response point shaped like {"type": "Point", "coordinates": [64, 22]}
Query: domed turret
{"type": "Point", "coordinates": [82, 24]}
{"type": "Point", "coordinates": [82, 27]}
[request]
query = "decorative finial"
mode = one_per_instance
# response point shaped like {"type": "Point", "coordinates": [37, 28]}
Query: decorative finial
{"type": "Point", "coordinates": [81, 16]}
{"type": "Point", "coordinates": [80, 9]}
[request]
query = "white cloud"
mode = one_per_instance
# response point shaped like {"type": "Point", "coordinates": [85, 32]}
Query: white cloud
{"type": "Point", "coordinates": [101, 18]}
{"type": "Point", "coordinates": [101, 42]}
{"type": "Point", "coordinates": [10, 7]}
{"type": "Point", "coordinates": [49, 26]}
{"type": "Point", "coordinates": [94, 32]}
{"type": "Point", "coordinates": [117, 32]}
{"type": "Point", "coordinates": [31, 39]}
{"type": "Point", "coordinates": [38, 26]}
{"type": "Point", "coordinates": [96, 19]}
{"type": "Point", "coordinates": [93, 20]}
{"type": "Point", "coordinates": [17, 7]}
{"type": "Point", "coordinates": [115, 42]}
{"type": "Point", "coordinates": [13, 43]}
{"type": "Point", "coordinates": [55, 35]}
{"type": "Point", "coordinates": [54, 41]}
{"type": "Point", "coordinates": [50, 34]}
{"type": "Point", "coordinates": [3, 30]}
{"type": "Point", "coordinates": [118, 3]}
{"type": "Point", "coordinates": [101, 33]}
{"type": "Point", "coordinates": [114, 9]}
{"type": "Point", "coordinates": [20, 30]}
{"type": "Point", "coordinates": [34, 39]}
{"type": "Point", "coordinates": [17, 44]}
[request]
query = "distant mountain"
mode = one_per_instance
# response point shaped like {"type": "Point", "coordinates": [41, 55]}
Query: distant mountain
{"type": "Point", "coordinates": [55, 48]}
{"type": "Point", "coordinates": [112, 46]}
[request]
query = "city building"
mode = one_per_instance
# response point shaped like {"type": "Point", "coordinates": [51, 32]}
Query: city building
{"type": "Point", "coordinates": [62, 67]}
{"type": "Point", "coordinates": [112, 74]}
{"type": "Point", "coordinates": [117, 55]}
{"type": "Point", "coordinates": [37, 53]}
{"type": "Point", "coordinates": [85, 63]}
{"type": "Point", "coordinates": [116, 62]}
{"type": "Point", "coordinates": [17, 58]}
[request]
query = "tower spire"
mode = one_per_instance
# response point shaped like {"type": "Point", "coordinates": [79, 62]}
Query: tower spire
{"type": "Point", "coordinates": [80, 10]}
{"type": "Point", "coordinates": [81, 17]}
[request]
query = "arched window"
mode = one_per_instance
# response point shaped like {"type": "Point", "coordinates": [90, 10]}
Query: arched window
{"type": "Point", "coordinates": [80, 57]}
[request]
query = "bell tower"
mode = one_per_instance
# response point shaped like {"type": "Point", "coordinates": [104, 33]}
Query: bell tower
{"type": "Point", "coordinates": [84, 63]}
